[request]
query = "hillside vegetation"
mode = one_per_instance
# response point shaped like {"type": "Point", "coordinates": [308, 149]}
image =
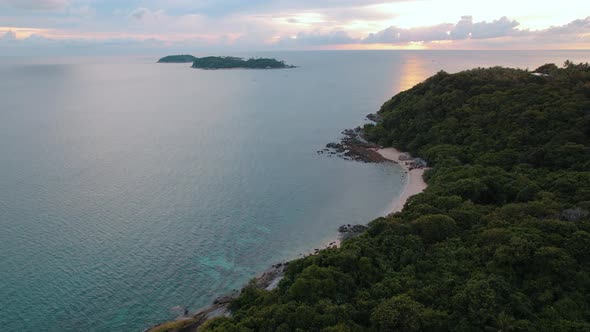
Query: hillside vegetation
{"type": "Point", "coordinates": [500, 240]}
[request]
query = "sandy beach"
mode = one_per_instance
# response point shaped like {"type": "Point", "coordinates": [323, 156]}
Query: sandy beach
{"type": "Point", "coordinates": [414, 185]}
{"type": "Point", "coordinates": [270, 278]}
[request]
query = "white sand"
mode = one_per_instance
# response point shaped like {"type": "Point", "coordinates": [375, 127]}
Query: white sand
{"type": "Point", "coordinates": [414, 185]}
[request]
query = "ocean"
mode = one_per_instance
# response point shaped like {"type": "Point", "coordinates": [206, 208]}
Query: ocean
{"type": "Point", "coordinates": [129, 187]}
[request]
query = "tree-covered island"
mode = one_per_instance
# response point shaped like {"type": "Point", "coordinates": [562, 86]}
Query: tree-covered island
{"type": "Point", "coordinates": [227, 62]}
{"type": "Point", "coordinates": [500, 239]}
{"type": "Point", "coordinates": [182, 58]}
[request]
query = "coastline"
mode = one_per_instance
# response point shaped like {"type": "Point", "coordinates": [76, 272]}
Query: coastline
{"type": "Point", "coordinates": [270, 278]}
{"type": "Point", "coordinates": [415, 183]}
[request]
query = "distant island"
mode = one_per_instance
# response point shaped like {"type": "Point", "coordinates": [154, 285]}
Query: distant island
{"type": "Point", "coordinates": [226, 62]}
{"type": "Point", "coordinates": [182, 58]}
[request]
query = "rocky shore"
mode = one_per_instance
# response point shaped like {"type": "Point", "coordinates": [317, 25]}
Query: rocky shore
{"type": "Point", "coordinates": [350, 231]}
{"type": "Point", "coordinates": [268, 280]}
{"type": "Point", "coordinates": [353, 146]}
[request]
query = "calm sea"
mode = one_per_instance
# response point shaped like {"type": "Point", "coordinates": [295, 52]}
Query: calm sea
{"type": "Point", "coordinates": [129, 187]}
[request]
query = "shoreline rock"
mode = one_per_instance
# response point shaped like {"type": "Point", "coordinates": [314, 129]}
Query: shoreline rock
{"type": "Point", "coordinates": [353, 146]}
{"type": "Point", "coordinates": [351, 231]}
{"type": "Point", "coordinates": [267, 280]}
{"type": "Point", "coordinates": [375, 117]}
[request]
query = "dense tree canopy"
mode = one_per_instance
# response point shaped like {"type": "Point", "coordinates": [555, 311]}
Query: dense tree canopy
{"type": "Point", "coordinates": [182, 58]}
{"type": "Point", "coordinates": [217, 62]}
{"type": "Point", "coordinates": [500, 239]}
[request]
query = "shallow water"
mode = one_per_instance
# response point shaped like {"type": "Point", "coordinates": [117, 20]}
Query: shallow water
{"type": "Point", "coordinates": [129, 187]}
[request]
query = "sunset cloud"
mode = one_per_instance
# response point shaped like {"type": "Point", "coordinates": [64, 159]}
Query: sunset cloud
{"type": "Point", "coordinates": [464, 29]}
{"type": "Point", "coordinates": [159, 25]}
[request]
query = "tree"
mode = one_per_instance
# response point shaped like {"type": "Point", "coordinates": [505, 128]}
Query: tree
{"type": "Point", "coordinates": [399, 313]}
{"type": "Point", "coordinates": [434, 228]}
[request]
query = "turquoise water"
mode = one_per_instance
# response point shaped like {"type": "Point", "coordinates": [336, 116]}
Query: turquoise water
{"type": "Point", "coordinates": [129, 187]}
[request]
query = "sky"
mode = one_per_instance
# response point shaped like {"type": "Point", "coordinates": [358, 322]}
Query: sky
{"type": "Point", "coordinates": [29, 27]}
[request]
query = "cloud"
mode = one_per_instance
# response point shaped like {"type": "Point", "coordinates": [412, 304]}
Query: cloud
{"type": "Point", "coordinates": [318, 39]}
{"type": "Point", "coordinates": [84, 11]}
{"type": "Point", "coordinates": [36, 4]}
{"type": "Point", "coordinates": [8, 35]}
{"type": "Point", "coordinates": [156, 18]}
{"type": "Point", "coordinates": [258, 24]}
{"type": "Point", "coordinates": [576, 32]}
{"type": "Point", "coordinates": [393, 35]}
{"type": "Point", "coordinates": [578, 26]}
{"type": "Point", "coordinates": [500, 33]}
{"type": "Point", "coordinates": [464, 29]}
{"type": "Point", "coordinates": [217, 8]}
{"type": "Point", "coordinates": [139, 13]}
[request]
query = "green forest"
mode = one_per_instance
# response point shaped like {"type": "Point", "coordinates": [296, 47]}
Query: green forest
{"type": "Point", "coordinates": [226, 62]}
{"type": "Point", "coordinates": [500, 239]}
{"type": "Point", "coordinates": [182, 58]}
